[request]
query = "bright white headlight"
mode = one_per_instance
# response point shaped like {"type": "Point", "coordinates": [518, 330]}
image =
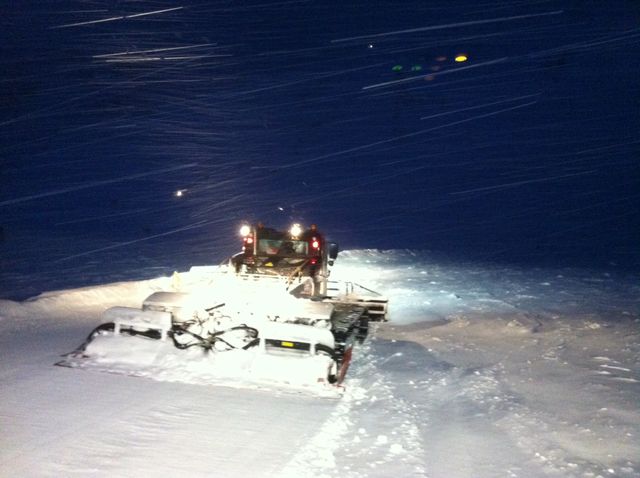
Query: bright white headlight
{"type": "Point", "coordinates": [245, 230]}
{"type": "Point", "coordinates": [295, 230]}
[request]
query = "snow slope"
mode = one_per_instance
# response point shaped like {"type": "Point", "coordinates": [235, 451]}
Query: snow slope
{"type": "Point", "coordinates": [484, 371]}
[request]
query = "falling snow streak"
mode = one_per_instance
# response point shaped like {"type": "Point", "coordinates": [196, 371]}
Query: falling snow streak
{"type": "Point", "coordinates": [588, 46]}
{"type": "Point", "coordinates": [449, 25]}
{"type": "Point", "coordinates": [521, 183]}
{"type": "Point", "coordinates": [195, 225]}
{"type": "Point", "coordinates": [470, 108]}
{"type": "Point", "coordinates": [153, 50]}
{"type": "Point", "coordinates": [434, 74]}
{"type": "Point", "coordinates": [399, 138]}
{"type": "Point", "coordinates": [122, 17]}
{"type": "Point", "coordinates": [94, 184]}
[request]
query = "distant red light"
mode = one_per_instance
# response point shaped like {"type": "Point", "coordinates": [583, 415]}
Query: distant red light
{"type": "Point", "coordinates": [314, 261]}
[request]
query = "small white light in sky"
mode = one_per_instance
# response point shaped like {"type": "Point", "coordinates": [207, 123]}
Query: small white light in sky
{"type": "Point", "coordinates": [280, 208]}
{"type": "Point", "coordinates": [370, 45]}
{"type": "Point", "coordinates": [180, 192]}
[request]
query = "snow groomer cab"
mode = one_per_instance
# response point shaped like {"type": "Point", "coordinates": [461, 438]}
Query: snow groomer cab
{"type": "Point", "coordinates": [294, 253]}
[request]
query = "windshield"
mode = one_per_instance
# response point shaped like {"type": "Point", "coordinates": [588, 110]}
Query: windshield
{"type": "Point", "coordinates": [281, 247]}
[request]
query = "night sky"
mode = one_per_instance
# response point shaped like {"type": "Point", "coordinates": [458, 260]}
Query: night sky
{"type": "Point", "coordinates": [497, 131]}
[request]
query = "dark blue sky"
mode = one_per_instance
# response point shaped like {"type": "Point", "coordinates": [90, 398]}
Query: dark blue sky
{"type": "Point", "coordinates": [356, 117]}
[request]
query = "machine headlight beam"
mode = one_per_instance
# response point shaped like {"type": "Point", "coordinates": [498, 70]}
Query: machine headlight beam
{"type": "Point", "coordinates": [245, 230]}
{"type": "Point", "coordinates": [295, 230]}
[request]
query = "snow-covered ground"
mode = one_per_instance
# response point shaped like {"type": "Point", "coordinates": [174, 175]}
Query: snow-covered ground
{"type": "Point", "coordinates": [483, 371]}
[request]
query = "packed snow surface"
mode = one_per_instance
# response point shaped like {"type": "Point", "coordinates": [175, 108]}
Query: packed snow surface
{"type": "Point", "coordinates": [483, 371]}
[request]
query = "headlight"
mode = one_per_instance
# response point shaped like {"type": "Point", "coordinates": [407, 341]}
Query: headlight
{"type": "Point", "coordinates": [295, 230]}
{"type": "Point", "coordinates": [245, 230]}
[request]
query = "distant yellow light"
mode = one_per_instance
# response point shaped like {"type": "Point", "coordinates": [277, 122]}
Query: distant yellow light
{"type": "Point", "coordinates": [461, 58]}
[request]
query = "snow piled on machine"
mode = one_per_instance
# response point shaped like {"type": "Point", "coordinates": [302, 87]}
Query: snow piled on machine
{"type": "Point", "coordinates": [160, 360]}
{"type": "Point", "coordinates": [483, 371]}
{"type": "Point", "coordinates": [212, 327]}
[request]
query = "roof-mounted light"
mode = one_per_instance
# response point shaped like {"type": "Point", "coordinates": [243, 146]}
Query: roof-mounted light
{"type": "Point", "coordinates": [295, 230]}
{"type": "Point", "coordinates": [245, 230]}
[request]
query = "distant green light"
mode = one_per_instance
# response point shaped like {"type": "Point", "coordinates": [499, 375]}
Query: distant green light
{"type": "Point", "coordinates": [397, 68]}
